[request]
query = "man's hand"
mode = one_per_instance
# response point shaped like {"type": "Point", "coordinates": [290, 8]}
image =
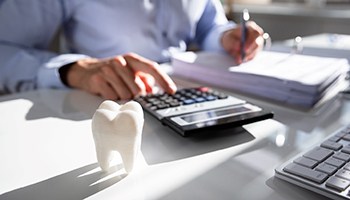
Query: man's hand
{"type": "Point", "coordinates": [254, 41]}
{"type": "Point", "coordinates": [118, 78]}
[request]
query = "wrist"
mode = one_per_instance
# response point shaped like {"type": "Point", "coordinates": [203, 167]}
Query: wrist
{"type": "Point", "coordinates": [63, 72]}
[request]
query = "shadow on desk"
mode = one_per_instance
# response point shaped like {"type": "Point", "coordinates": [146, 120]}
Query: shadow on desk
{"type": "Point", "coordinates": [161, 144]}
{"type": "Point", "coordinates": [74, 185]}
{"type": "Point", "coordinates": [66, 104]}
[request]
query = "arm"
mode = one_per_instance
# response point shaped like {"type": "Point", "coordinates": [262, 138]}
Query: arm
{"type": "Point", "coordinates": [27, 28]}
{"type": "Point", "coordinates": [211, 25]}
{"type": "Point", "coordinates": [25, 64]}
{"type": "Point", "coordinates": [216, 33]}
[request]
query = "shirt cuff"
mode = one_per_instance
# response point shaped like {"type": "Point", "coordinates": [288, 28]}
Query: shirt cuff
{"type": "Point", "coordinates": [49, 77]}
{"type": "Point", "coordinates": [213, 40]}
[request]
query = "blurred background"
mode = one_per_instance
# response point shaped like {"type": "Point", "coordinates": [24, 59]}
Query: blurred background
{"type": "Point", "coordinates": [285, 19]}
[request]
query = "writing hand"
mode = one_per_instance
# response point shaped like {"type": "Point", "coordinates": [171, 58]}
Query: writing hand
{"type": "Point", "coordinates": [254, 41]}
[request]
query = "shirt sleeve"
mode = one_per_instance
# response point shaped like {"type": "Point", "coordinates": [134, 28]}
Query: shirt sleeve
{"type": "Point", "coordinates": [48, 76]}
{"type": "Point", "coordinates": [25, 62]}
{"type": "Point", "coordinates": [211, 25]}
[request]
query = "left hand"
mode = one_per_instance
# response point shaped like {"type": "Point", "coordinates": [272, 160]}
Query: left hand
{"type": "Point", "coordinates": [231, 40]}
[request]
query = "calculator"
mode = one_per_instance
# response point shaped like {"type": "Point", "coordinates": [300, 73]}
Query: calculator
{"type": "Point", "coordinates": [200, 109]}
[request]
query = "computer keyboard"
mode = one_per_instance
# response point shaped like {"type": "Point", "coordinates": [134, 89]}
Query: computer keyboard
{"type": "Point", "coordinates": [194, 110]}
{"type": "Point", "coordinates": [324, 169]}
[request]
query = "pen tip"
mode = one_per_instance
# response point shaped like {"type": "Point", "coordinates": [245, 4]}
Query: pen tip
{"type": "Point", "coordinates": [246, 15]}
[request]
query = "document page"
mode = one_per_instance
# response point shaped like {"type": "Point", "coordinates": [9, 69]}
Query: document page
{"type": "Point", "coordinates": [290, 78]}
{"type": "Point", "coordinates": [308, 70]}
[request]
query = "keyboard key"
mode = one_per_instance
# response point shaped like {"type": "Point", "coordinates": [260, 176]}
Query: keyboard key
{"type": "Point", "coordinates": [346, 149]}
{"type": "Point", "coordinates": [343, 174]}
{"type": "Point", "coordinates": [347, 166]}
{"type": "Point", "coordinates": [337, 183]}
{"type": "Point", "coordinates": [341, 134]}
{"type": "Point", "coordinates": [298, 170]}
{"type": "Point", "coordinates": [319, 154]}
{"type": "Point", "coordinates": [334, 138]}
{"type": "Point", "coordinates": [331, 145]}
{"type": "Point", "coordinates": [306, 162]}
{"type": "Point", "coordinates": [335, 162]}
{"type": "Point", "coordinates": [342, 156]}
{"type": "Point", "coordinates": [326, 168]}
{"type": "Point", "coordinates": [346, 137]}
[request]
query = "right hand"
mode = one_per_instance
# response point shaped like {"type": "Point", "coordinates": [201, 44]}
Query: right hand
{"type": "Point", "coordinates": [231, 41]}
{"type": "Point", "coordinates": [118, 78]}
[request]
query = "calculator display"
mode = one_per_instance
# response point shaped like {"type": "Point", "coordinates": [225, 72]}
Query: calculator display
{"type": "Point", "coordinates": [214, 114]}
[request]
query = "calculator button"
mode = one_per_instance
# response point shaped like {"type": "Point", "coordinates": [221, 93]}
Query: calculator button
{"type": "Point", "coordinates": [199, 99]}
{"type": "Point", "coordinates": [222, 96]}
{"type": "Point", "coordinates": [153, 108]}
{"type": "Point", "coordinates": [174, 104]}
{"type": "Point", "coordinates": [188, 101]}
{"type": "Point", "coordinates": [162, 106]}
{"type": "Point", "coordinates": [210, 98]}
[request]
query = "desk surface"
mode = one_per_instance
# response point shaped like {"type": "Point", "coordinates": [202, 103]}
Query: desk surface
{"type": "Point", "coordinates": [47, 152]}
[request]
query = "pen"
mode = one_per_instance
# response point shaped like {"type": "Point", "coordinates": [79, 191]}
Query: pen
{"type": "Point", "coordinates": [244, 20]}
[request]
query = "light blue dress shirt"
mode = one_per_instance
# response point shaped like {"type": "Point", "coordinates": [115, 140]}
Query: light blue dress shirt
{"type": "Point", "coordinates": [98, 28]}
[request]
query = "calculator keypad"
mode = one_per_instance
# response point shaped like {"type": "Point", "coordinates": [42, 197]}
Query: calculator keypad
{"type": "Point", "coordinates": [186, 100]}
{"type": "Point", "coordinates": [186, 96]}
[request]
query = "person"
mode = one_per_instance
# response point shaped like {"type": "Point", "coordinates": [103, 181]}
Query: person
{"type": "Point", "coordinates": [113, 47]}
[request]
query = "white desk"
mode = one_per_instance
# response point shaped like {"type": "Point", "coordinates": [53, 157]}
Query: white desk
{"type": "Point", "coordinates": [47, 152]}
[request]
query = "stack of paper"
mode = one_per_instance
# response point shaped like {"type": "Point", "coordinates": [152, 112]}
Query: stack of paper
{"type": "Point", "coordinates": [288, 78]}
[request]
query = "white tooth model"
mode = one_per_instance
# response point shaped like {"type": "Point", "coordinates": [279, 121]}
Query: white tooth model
{"type": "Point", "coordinates": [118, 128]}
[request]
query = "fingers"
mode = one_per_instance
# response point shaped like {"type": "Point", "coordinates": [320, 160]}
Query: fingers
{"type": "Point", "coordinates": [231, 40]}
{"type": "Point", "coordinates": [132, 85]}
{"type": "Point", "coordinates": [115, 81]}
{"type": "Point", "coordinates": [140, 64]}
{"type": "Point", "coordinates": [120, 77]}
{"type": "Point", "coordinates": [254, 40]}
{"type": "Point", "coordinates": [256, 47]}
{"type": "Point", "coordinates": [101, 87]}
{"type": "Point", "coordinates": [148, 81]}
